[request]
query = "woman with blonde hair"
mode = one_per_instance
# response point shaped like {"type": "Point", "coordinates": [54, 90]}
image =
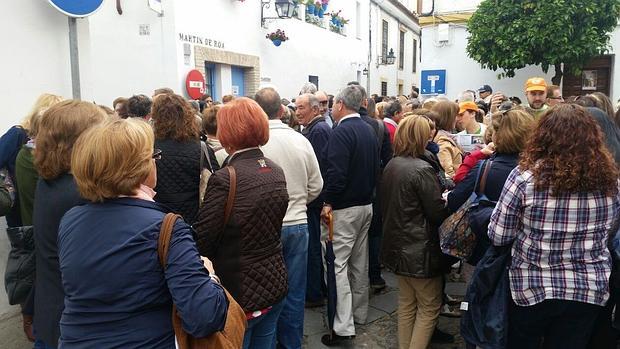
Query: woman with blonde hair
{"type": "Point", "coordinates": [412, 212]}
{"type": "Point", "coordinates": [450, 154]}
{"type": "Point", "coordinates": [56, 193]}
{"type": "Point", "coordinates": [119, 306]}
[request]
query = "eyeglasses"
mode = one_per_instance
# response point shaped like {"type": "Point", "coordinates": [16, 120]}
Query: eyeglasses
{"type": "Point", "coordinates": [157, 154]}
{"type": "Point", "coordinates": [558, 97]}
{"type": "Point", "coordinates": [323, 102]}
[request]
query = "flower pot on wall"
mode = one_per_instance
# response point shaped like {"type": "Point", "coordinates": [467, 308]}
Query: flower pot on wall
{"type": "Point", "coordinates": [310, 9]}
{"type": "Point", "coordinates": [277, 42]}
{"type": "Point", "coordinates": [321, 13]}
{"type": "Point", "coordinates": [324, 7]}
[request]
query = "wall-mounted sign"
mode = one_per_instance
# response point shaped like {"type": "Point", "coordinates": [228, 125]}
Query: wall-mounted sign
{"type": "Point", "coordinates": [589, 80]}
{"type": "Point", "coordinates": [76, 8]}
{"type": "Point", "coordinates": [433, 82]}
{"type": "Point", "coordinates": [235, 90]}
{"type": "Point", "coordinates": [195, 84]}
{"type": "Point", "coordinates": [155, 5]}
{"type": "Point", "coordinates": [200, 40]}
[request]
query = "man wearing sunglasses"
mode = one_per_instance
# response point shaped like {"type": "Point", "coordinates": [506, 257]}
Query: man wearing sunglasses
{"type": "Point", "coordinates": [324, 107]}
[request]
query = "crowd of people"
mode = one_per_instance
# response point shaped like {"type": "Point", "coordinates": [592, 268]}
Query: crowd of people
{"type": "Point", "coordinates": [258, 181]}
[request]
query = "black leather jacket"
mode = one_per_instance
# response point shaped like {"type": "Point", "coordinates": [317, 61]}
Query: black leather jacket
{"type": "Point", "coordinates": [412, 212]}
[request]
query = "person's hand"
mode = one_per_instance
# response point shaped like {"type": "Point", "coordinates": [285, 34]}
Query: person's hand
{"type": "Point", "coordinates": [496, 101]}
{"type": "Point", "coordinates": [208, 264]}
{"type": "Point", "coordinates": [489, 149]}
{"type": "Point", "coordinates": [27, 325]}
{"type": "Point", "coordinates": [326, 213]}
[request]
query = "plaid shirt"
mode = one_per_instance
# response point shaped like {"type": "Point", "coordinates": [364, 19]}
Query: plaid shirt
{"type": "Point", "coordinates": [560, 242]}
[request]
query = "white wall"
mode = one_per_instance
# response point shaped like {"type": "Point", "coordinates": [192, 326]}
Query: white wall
{"type": "Point", "coordinates": [463, 73]}
{"type": "Point", "coordinates": [615, 71]}
{"type": "Point", "coordinates": [310, 51]}
{"type": "Point", "coordinates": [35, 57]}
{"type": "Point", "coordinates": [124, 62]}
{"type": "Point", "coordinates": [447, 6]}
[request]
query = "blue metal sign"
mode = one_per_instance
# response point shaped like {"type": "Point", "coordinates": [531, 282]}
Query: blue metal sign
{"type": "Point", "coordinates": [433, 82]}
{"type": "Point", "coordinates": [77, 8]}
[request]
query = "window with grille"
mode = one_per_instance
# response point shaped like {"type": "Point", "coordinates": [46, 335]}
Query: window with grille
{"type": "Point", "coordinates": [415, 55]}
{"type": "Point", "coordinates": [384, 88]}
{"type": "Point", "coordinates": [401, 51]}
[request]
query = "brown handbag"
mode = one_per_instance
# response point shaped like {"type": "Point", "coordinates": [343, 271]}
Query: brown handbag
{"type": "Point", "coordinates": [231, 337]}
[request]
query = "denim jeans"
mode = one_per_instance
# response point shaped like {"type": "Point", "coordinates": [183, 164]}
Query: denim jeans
{"type": "Point", "coordinates": [260, 332]}
{"type": "Point", "coordinates": [38, 344]}
{"type": "Point", "coordinates": [315, 286]}
{"type": "Point", "coordinates": [290, 330]}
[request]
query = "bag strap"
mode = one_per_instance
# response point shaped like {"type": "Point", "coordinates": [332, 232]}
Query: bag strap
{"type": "Point", "coordinates": [165, 234]}
{"type": "Point", "coordinates": [483, 181]}
{"type": "Point", "coordinates": [205, 153]}
{"type": "Point", "coordinates": [232, 191]}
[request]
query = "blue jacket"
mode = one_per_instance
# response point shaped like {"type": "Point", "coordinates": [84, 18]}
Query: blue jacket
{"type": "Point", "coordinates": [116, 293]}
{"type": "Point", "coordinates": [352, 164]}
{"type": "Point", "coordinates": [318, 132]}
{"type": "Point", "coordinates": [503, 164]}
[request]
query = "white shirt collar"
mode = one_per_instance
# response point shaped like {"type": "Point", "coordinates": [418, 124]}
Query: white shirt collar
{"type": "Point", "coordinates": [353, 115]}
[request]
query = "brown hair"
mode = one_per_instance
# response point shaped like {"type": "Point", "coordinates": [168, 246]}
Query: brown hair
{"type": "Point", "coordinates": [511, 130]}
{"type": "Point", "coordinates": [113, 158]}
{"type": "Point", "coordinates": [242, 123]}
{"type": "Point", "coordinates": [173, 118]}
{"type": "Point", "coordinates": [550, 90]}
{"type": "Point", "coordinates": [227, 98]}
{"type": "Point", "coordinates": [412, 136]}
{"type": "Point", "coordinates": [604, 103]}
{"type": "Point", "coordinates": [59, 128]}
{"type": "Point", "coordinates": [209, 120]}
{"type": "Point", "coordinates": [446, 111]}
{"type": "Point", "coordinates": [564, 163]}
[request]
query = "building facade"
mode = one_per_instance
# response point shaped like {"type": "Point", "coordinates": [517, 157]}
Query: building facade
{"type": "Point", "coordinates": [444, 39]}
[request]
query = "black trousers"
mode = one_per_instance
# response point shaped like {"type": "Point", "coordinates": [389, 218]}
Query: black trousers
{"type": "Point", "coordinates": [551, 324]}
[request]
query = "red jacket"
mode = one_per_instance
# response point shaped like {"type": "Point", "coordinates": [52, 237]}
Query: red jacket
{"type": "Point", "coordinates": [471, 159]}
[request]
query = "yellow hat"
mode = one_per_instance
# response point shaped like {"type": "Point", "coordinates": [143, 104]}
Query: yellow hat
{"type": "Point", "coordinates": [464, 106]}
{"type": "Point", "coordinates": [535, 84]}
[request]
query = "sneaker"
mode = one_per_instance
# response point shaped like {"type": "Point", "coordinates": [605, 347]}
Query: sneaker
{"type": "Point", "coordinates": [449, 312]}
{"type": "Point", "coordinates": [331, 340]}
{"type": "Point", "coordinates": [377, 284]}
{"type": "Point", "coordinates": [441, 337]}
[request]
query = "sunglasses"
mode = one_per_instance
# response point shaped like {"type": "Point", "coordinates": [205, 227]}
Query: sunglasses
{"type": "Point", "coordinates": [157, 154]}
{"type": "Point", "coordinates": [323, 102]}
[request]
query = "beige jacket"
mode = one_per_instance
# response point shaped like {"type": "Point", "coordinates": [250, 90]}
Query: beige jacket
{"type": "Point", "coordinates": [450, 154]}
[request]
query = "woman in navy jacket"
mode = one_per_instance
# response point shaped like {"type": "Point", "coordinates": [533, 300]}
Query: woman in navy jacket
{"type": "Point", "coordinates": [116, 293]}
{"type": "Point", "coordinates": [510, 133]}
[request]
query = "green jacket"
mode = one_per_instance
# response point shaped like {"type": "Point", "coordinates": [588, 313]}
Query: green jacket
{"type": "Point", "coordinates": [26, 177]}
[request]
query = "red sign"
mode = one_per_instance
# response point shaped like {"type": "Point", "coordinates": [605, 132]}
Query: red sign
{"type": "Point", "coordinates": [195, 84]}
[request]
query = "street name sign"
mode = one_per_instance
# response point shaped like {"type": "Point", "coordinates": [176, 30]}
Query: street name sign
{"type": "Point", "coordinates": [433, 82]}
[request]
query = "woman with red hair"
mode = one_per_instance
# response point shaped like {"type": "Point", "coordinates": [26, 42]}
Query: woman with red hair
{"type": "Point", "coordinates": [246, 249]}
{"type": "Point", "coordinates": [557, 210]}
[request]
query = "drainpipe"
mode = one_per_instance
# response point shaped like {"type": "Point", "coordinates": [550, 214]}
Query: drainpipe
{"type": "Point", "coordinates": [369, 47]}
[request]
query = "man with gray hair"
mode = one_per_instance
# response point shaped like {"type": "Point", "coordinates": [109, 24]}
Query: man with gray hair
{"type": "Point", "coordinates": [308, 87]}
{"type": "Point", "coordinates": [352, 168]}
{"type": "Point", "coordinates": [323, 99]}
{"type": "Point", "coordinates": [295, 155]}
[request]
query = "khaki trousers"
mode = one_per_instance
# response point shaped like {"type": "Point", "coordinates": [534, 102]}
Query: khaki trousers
{"type": "Point", "coordinates": [419, 303]}
{"type": "Point", "coordinates": [351, 250]}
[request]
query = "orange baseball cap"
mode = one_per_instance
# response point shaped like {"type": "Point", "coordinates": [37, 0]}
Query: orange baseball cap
{"type": "Point", "coordinates": [465, 106]}
{"type": "Point", "coordinates": [535, 84]}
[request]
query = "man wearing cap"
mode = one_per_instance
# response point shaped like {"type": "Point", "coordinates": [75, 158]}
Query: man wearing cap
{"type": "Point", "coordinates": [485, 93]}
{"type": "Point", "coordinates": [536, 93]}
{"type": "Point", "coordinates": [466, 119]}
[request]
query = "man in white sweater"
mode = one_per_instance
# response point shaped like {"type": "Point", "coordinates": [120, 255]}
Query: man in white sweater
{"type": "Point", "coordinates": [295, 155]}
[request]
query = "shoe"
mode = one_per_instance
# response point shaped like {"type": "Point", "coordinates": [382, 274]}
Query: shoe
{"type": "Point", "coordinates": [331, 340]}
{"type": "Point", "coordinates": [377, 284]}
{"type": "Point", "coordinates": [449, 312]}
{"type": "Point", "coordinates": [441, 337]}
{"type": "Point", "coordinates": [315, 304]}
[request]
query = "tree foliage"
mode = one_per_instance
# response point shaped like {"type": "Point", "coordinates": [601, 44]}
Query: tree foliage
{"type": "Point", "coordinates": [510, 34]}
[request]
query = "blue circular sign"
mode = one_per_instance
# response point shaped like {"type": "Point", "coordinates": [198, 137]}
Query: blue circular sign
{"type": "Point", "coordinates": [77, 8]}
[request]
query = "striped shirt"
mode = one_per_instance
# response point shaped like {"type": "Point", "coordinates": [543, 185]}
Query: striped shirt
{"type": "Point", "coordinates": [560, 242]}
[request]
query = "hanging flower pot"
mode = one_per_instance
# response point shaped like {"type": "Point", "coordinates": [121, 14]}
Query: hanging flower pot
{"type": "Point", "coordinates": [324, 4]}
{"type": "Point", "coordinates": [321, 13]}
{"type": "Point", "coordinates": [310, 9]}
{"type": "Point", "coordinates": [316, 10]}
{"type": "Point", "coordinates": [324, 7]}
{"type": "Point", "coordinates": [277, 37]}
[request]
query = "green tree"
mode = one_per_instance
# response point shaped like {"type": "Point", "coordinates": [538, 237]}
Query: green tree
{"type": "Point", "coordinates": [510, 34]}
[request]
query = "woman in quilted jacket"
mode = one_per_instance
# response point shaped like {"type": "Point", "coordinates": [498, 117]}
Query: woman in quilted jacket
{"type": "Point", "coordinates": [246, 250]}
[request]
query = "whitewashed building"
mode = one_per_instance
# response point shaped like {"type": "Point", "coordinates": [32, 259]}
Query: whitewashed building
{"type": "Point", "coordinates": [444, 39]}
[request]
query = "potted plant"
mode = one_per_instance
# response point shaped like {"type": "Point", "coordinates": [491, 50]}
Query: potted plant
{"type": "Point", "coordinates": [277, 37]}
{"type": "Point", "coordinates": [324, 4]}
{"type": "Point", "coordinates": [310, 7]}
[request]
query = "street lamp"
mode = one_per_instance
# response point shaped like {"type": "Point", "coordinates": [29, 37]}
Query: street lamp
{"type": "Point", "coordinates": [365, 71]}
{"type": "Point", "coordinates": [386, 60]}
{"type": "Point", "coordinates": [284, 9]}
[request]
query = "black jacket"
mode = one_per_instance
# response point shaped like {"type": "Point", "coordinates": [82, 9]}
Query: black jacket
{"type": "Point", "coordinates": [412, 212]}
{"type": "Point", "coordinates": [178, 177]}
{"type": "Point", "coordinates": [54, 199]}
{"type": "Point", "coordinates": [385, 146]}
{"type": "Point", "coordinates": [318, 132]}
{"type": "Point", "coordinates": [247, 252]}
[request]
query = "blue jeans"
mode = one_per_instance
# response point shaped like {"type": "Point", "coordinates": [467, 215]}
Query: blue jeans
{"type": "Point", "coordinates": [315, 286]}
{"type": "Point", "coordinates": [38, 344]}
{"type": "Point", "coordinates": [291, 322]}
{"type": "Point", "coordinates": [260, 332]}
